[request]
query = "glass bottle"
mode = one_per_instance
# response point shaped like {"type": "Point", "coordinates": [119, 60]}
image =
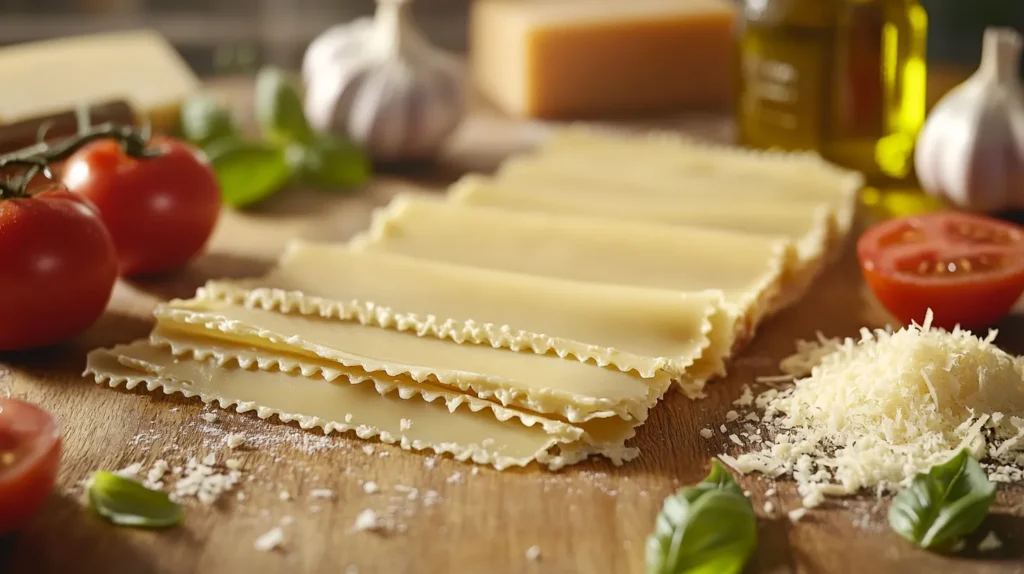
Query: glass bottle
{"type": "Point", "coordinates": [845, 78]}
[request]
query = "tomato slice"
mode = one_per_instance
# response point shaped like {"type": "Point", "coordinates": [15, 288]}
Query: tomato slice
{"type": "Point", "coordinates": [29, 458]}
{"type": "Point", "coordinates": [968, 269]}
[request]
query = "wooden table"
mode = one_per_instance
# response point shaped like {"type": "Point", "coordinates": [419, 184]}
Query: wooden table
{"type": "Point", "coordinates": [591, 518]}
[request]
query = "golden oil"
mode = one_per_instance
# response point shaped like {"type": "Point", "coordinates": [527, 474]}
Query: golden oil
{"type": "Point", "coordinates": [845, 78]}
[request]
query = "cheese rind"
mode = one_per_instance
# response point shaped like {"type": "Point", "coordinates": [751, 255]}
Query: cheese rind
{"type": "Point", "coordinates": [140, 67]}
{"type": "Point", "coordinates": [467, 435]}
{"type": "Point", "coordinates": [559, 58]}
{"type": "Point", "coordinates": [542, 384]}
{"type": "Point", "coordinates": [644, 330]}
{"type": "Point", "coordinates": [749, 269]}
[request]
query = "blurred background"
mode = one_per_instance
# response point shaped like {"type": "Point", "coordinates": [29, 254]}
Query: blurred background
{"type": "Point", "coordinates": [232, 36]}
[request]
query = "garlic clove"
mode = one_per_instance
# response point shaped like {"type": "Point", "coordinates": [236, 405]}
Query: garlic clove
{"type": "Point", "coordinates": [970, 151]}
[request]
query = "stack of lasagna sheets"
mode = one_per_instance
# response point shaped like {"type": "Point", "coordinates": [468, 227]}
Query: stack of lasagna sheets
{"type": "Point", "coordinates": [536, 315]}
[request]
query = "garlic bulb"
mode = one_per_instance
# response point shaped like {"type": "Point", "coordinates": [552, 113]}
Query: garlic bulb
{"type": "Point", "coordinates": [379, 82]}
{"type": "Point", "coordinates": [971, 150]}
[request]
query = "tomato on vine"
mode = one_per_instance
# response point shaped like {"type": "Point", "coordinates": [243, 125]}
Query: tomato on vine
{"type": "Point", "coordinates": [160, 209]}
{"type": "Point", "coordinates": [58, 267]}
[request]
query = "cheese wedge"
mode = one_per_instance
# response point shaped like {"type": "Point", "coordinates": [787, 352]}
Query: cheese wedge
{"type": "Point", "coordinates": [466, 434]}
{"type": "Point", "coordinates": [139, 66]}
{"type": "Point", "coordinates": [668, 162]}
{"type": "Point", "coordinates": [542, 384]}
{"type": "Point", "coordinates": [749, 269]}
{"type": "Point", "coordinates": [643, 330]}
{"type": "Point", "coordinates": [567, 58]}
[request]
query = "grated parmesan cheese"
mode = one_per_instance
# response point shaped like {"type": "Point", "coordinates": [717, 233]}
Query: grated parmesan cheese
{"type": "Point", "coordinates": [533, 553]}
{"type": "Point", "coordinates": [873, 412]}
{"type": "Point", "coordinates": [707, 433]}
{"type": "Point", "coordinates": [367, 521]}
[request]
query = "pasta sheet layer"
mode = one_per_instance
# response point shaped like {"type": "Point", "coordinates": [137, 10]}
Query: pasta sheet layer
{"type": "Point", "coordinates": [632, 329]}
{"type": "Point", "coordinates": [466, 434]}
{"type": "Point", "coordinates": [542, 384]}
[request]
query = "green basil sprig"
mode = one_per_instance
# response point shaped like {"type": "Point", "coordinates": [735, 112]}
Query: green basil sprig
{"type": "Point", "coordinates": [709, 528]}
{"type": "Point", "coordinates": [288, 150]}
{"type": "Point", "coordinates": [941, 506]}
{"type": "Point", "coordinates": [126, 502]}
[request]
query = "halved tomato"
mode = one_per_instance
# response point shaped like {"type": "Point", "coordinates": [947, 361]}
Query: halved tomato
{"type": "Point", "coordinates": [968, 269]}
{"type": "Point", "coordinates": [29, 458]}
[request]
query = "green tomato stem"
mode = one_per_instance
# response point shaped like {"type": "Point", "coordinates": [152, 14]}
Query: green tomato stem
{"type": "Point", "coordinates": [37, 158]}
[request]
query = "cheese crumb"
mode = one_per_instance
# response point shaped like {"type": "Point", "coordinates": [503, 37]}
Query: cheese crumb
{"type": "Point", "coordinates": [533, 553]}
{"type": "Point", "coordinates": [270, 540]}
{"type": "Point", "coordinates": [233, 464]}
{"type": "Point", "coordinates": [429, 462]}
{"type": "Point", "coordinates": [990, 542]}
{"type": "Point", "coordinates": [769, 507]}
{"type": "Point", "coordinates": [370, 487]}
{"type": "Point", "coordinates": [735, 439]}
{"type": "Point", "coordinates": [770, 492]}
{"type": "Point", "coordinates": [154, 479]}
{"type": "Point", "coordinates": [707, 433]}
{"type": "Point", "coordinates": [796, 514]}
{"type": "Point", "coordinates": [731, 416]}
{"type": "Point", "coordinates": [322, 493]}
{"type": "Point", "coordinates": [202, 480]}
{"type": "Point", "coordinates": [234, 440]}
{"type": "Point", "coordinates": [209, 417]}
{"type": "Point", "coordinates": [130, 471]}
{"type": "Point", "coordinates": [285, 495]}
{"type": "Point", "coordinates": [404, 425]}
{"type": "Point", "coordinates": [746, 398]}
{"type": "Point", "coordinates": [474, 471]}
{"type": "Point", "coordinates": [368, 449]}
{"type": "Point", "coordinates": [723, 429]}
{"type": "Point", "coordinates": [367, 521]}
{"type": "Point", "coordinates": [456, 477]}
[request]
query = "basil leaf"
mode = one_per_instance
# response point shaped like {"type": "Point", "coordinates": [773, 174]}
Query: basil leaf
{"type": "Point", "coordinates": [204, 121]}
{"type": "Point", "coordinates": [126, 502]}
{"type": "Point", "coordinates": [709, 528]}
{"type": "Point", "coordinates": [279, 109]}
{"type": "Point", "coordinates": [249, 172]}
{"type": "Point", "coordinates": [330, 162]}
{"type": "Point", "coordinates": [943, 505]}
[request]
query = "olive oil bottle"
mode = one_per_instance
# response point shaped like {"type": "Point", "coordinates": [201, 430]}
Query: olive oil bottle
{"type": "Point", "coordinates": [845, 78]}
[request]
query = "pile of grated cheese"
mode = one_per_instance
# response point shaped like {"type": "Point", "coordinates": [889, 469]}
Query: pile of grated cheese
{"type": "Point", "coordinates": [873, 412]}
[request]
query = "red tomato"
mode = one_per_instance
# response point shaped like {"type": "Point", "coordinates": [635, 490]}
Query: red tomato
{"type": "Point", "coordinates": [160, 211]}
{"type": "Point", "coordinates": [29, 458]}
{"type": "Point", "coordinates": [968, 269]}
{"type": "Point", "coordinates": [58, 268]}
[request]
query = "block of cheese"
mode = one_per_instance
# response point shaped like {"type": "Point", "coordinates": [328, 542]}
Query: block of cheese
{"type": "Point", "coordinates": [644, 330]}
{"type": "Point", "coordinates": [543, 384]}
{"type": "Point", "coordinates": [574, 59]}
{"type": "Point", "coordinates": [749, 269]}
{"type": "Point", "coordinates": [496, 435]}
{"type": "Point", "coordinates": [52, 76]}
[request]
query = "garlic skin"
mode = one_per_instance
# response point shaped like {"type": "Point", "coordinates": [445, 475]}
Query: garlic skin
{"type": "Point", "coordinates": [971, 150]}
{"type": "Point", "coordinates": [380, 83]}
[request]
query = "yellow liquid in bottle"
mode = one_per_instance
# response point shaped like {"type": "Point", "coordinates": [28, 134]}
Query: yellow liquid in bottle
{"type": "Point", "coordinates": [845, 78]}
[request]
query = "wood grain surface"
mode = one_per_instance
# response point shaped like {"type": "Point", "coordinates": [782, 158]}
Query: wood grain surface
{"type": "Point", "coordinates": [591, 518]}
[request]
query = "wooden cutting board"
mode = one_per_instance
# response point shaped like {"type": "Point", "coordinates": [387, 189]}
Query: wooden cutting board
{"type": "Point", "coordinates": [591, 518]}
